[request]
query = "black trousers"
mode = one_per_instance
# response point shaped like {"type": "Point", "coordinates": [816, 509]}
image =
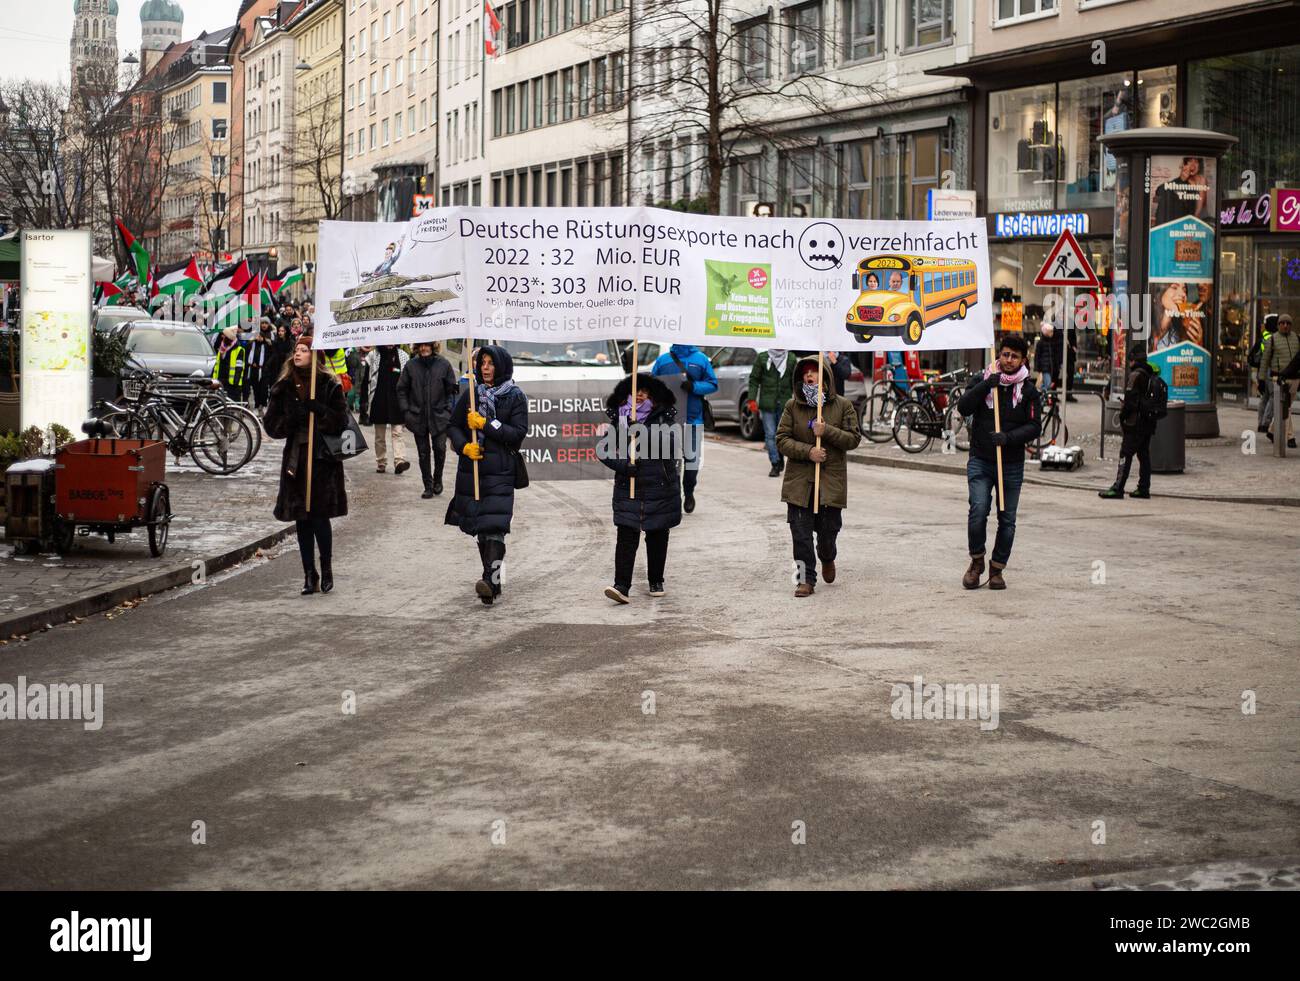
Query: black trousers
{"type": "Point", "coordinates": [260, 380]}
{"type": "Point", "coordinates": [1136, 442]}
{"type": "Point", "coordinates": [313, 533]}
{"type": "Point", "coordinates": [426, 445]}
{"type": "Point", "coordinates": [825, 524]}
{"type": "Point", "coordinates": [656, 556]}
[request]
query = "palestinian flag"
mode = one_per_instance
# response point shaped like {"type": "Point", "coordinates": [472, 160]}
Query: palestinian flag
{"type": "Point", "coordinates": [180, 280]}
{"type": "Point", "coordinates": [139, 255]}
{"type": "Point", "coordinates": [108, 294]}
{"type": "Point", "coordinates": [265, 291]}
{"type": "Point", "coordinates": [239, 308]}
{"type": "Point", "coordinates": [231, 279]}
{"type": "Point", "coordinates": [287, 278]}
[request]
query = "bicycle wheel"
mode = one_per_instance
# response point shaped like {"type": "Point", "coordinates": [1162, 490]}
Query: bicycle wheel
{"type": "Point", "coordinates": [955, 423]}
{"type": "Point", "coordinates": [221, 444]}
{"type": "Point", "coordinates": [914, 426]}
{"type": "Point", "coordinates": [249, 418]}
{"type": "Point", "coordinates": [877, 418]}
{"type": "Point", "coordinates": [142, 424]}
{"type": "Point", "coordinates": [116, 421]}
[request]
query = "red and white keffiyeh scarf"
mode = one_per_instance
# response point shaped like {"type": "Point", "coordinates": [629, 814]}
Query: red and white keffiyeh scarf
{"type": "Point", "coordinates": [1018, 380]}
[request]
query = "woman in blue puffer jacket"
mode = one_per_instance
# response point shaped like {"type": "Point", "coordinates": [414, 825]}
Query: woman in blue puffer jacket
{"type": "Point", "coordinates": [657, 506]}
{"type": "Point", "coordinates": [500, 420]}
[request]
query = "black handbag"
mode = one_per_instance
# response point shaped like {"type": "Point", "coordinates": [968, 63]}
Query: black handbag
{"type": "Point", "coordinates": [521, 470]}
{"type": "Point", "coordinates": [334, 442]}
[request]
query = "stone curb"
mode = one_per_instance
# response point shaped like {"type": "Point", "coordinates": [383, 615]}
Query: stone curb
{"type": "Point", "coordinates": [91, 603]}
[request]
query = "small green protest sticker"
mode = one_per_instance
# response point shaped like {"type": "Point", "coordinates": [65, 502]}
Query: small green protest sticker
{"type": "Point", "coordinates": [739, 299]}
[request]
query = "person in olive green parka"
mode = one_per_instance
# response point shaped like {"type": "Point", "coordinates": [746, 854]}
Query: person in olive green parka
{"type": "Point", "coordinates": [796, 438]}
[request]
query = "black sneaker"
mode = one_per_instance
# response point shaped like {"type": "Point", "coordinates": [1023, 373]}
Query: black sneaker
{"type": "Point", "coordinates": [688, 505]}
{"type": "Point", "coordinates": [775, 471]}
{"type": "Point", "coordinates": [1113, 494]}
{"type": "Point", "coordinates": [656, 589]}
{"type": "Point", "coordinates": [428, 493]}
{"type": "Point", "coordinates": [1145, 494]}
{"type": "Point", "coordinates": [437, 487]}
{"type": "Point", "coordinates": [485, 592]}
{"type": "Point", "coordinates": [616, 594]}
{"type": "Point", "coordinates": [402, 467]}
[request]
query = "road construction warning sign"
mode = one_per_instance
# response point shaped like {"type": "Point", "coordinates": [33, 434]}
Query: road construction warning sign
{"type": "Point", "coordinates": [1066, 265]}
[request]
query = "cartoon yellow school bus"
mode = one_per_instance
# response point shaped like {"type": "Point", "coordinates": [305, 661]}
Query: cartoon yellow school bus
{"type": "Point", "coordinates": [901, 295]}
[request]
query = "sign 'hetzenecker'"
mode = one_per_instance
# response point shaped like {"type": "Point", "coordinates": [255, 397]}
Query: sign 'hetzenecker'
{"type": "Point", "coordinates": [563, 275]}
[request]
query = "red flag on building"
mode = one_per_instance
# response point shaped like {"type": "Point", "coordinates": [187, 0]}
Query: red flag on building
{"type": "Point", "coordinates": [491, 29]}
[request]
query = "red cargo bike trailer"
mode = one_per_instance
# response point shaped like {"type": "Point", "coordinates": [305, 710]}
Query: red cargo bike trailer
{"type": "Point", "coordinates": [111, 485]}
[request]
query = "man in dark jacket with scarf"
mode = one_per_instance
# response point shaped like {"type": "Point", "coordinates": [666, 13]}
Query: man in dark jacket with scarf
{"type": "Point", "coordinates": [426, 392]}
{"type": "Point", "coordinates": [1008, 381]}
{"type": "Point", "coordinates": [769, 388]}
{"type": "Point", "coordinates": [500, 420]}
{"type": "Point", "coordinates": [696, 381]}
{"type": "Point", "coordinates": [1138, 429]}
{"type": "Point", "coordinates": [796, 437]}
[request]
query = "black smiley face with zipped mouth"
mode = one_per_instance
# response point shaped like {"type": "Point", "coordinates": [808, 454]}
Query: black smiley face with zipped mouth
{"type": "Point", "coordinates": [821, 246]}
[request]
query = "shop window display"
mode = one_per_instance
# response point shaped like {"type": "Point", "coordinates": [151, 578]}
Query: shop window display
{"type": "Point", "coordinates": [1089, 108]}
{"type": "Point", "coordinates": [1024, 149]}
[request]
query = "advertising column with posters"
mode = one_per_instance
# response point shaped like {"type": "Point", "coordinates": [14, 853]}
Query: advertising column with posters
{"type": "Point", "coordinates": [56, 301]}
{"type": "Point", "coordinates": [1180, 272]}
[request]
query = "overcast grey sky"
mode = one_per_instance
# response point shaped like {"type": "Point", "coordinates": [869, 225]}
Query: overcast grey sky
{"type": "Point", "coordinates": [35, 44]}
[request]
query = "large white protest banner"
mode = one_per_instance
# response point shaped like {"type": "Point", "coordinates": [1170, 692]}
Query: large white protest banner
{"type": "Point", "coordinates": [570, 274]}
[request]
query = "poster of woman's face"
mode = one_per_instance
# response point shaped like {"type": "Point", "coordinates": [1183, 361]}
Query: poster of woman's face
{"type": "Point", "coordinates": [1181, 187]}
{"type": "Point", "coordinates": [1180, 314]}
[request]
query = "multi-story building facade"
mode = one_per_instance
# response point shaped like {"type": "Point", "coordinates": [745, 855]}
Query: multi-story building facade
{"type": "Point", "coordinates": [1050, 77]}
{"type": "Point", "coordinates": [316, 167]}
{"type": "Point", "coordinates": [196, 111]}
{"type": "Point", "coordinates": [390, 105]}
{"type": "Point", "coordinates": [461, 69]}
{"type": "Point", "coordinates": [269, 100]}
{"type": "Point", "coordinates": [557, 133]}
{"type": "Point", "coordinates": [250, 11]}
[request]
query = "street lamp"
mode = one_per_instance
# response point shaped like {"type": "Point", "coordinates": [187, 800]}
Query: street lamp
{"type": "Point", "coordinates": [302, 66]}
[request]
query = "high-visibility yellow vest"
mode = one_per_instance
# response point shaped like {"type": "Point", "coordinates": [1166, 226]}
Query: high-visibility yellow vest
{"type": "Point", "coordinates": [339, 361]}
{"type": "Point", "coordinates": [234, 362]}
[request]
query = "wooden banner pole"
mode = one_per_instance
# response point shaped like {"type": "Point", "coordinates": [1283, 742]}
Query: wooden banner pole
{"type": "Point", "coordinates": [817, 469]}
{"type": "Point", "coordinates": [997, 428]}
{"type": "Point", "coordinates": [311, 427]}
{"type": "Point", "coordinates": [631, 419]}
{"type": "Point", "coordinates": [473, 406]}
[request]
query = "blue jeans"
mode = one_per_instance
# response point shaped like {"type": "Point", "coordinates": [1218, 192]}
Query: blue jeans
{"type": "Point", "coordinates": [692, 449]}
{"type": "Point", "coordinates": [770, 420]}
{"type": "Point", "coordinates": [982, 482]}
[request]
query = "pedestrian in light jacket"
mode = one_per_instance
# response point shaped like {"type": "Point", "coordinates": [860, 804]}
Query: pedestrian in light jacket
{"type": "Point", "coordinates": [769, 388]}
{"type": "Point", "coordinates": [383, 370]}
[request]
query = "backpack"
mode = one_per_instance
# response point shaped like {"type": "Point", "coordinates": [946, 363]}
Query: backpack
{"type": "Point", "coordinates": [1154, 403]}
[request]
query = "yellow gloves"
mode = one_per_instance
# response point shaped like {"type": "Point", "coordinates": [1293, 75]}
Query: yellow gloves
{"type": "Point", "coordinates": [476, 421]}
{"type": "Point", "coordinates": [474, 450]}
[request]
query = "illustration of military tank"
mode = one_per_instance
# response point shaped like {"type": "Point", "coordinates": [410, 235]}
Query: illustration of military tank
{"type": "Point", "coordinates": [389, 297]}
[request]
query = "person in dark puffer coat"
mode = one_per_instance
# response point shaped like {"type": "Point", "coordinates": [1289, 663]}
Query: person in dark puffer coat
{"type": "Point", "coordinates": [288, 409]}
{"type": "Point", "coordinates": [657, 506]}
{"type": "Point", "coordinates": [500, 423]}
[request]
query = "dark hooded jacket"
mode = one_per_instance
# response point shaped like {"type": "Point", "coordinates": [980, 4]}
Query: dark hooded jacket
{"type": "Point", "coordinates": [1022, 423]}
{"type": "Point", "coordinates": [500, 440]}
{"type": "Point", "coordinates": [794, 440]}
{"type": "Point", "coordinates": [286, 419]}
{"type": "Point", "coordinates": [1135, 386]}
{"type": "Point", "coordinates": [658, 503]}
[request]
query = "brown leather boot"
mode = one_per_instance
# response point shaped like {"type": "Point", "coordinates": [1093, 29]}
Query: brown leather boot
{"type": "Point", "coordinates": [995, 576]}
{"type": "Point", "coordinates": [803, 589]}
{"type": "Point", "coordinates": [971, 580]}
{"type": "Point", "coordinates": [828, 572]}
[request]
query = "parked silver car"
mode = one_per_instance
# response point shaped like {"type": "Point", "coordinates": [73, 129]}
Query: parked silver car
{"type": "Point", "coordinates": [105, 319]}
{"type": "Point", "coordinates": [173, 347]}
{"type": "Point", "coordinates": [730, 403]}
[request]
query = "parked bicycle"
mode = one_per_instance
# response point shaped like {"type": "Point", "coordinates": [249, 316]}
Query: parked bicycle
{"type": "Point", "coordinates": [1053, 432]}
{"type": "Point", "coordinates": [930, 413]}
{"type": "Point", "coordinates": [214, 432]}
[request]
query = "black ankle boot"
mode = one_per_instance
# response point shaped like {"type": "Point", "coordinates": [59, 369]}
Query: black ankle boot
{"type": "Point", "coordinates": [483, 588]}
{"type": "Point", "coordinates": [310, 582]}
{"type": "Point", "coordinates": [326, 574]}
{"type": "Point", "coordinates": [496, 562]}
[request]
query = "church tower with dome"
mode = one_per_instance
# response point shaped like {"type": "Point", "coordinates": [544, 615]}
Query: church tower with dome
{"type": "Point", "coordinates": [161, 22]}
{"type": "Point", "coordinates": [93, 60]}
